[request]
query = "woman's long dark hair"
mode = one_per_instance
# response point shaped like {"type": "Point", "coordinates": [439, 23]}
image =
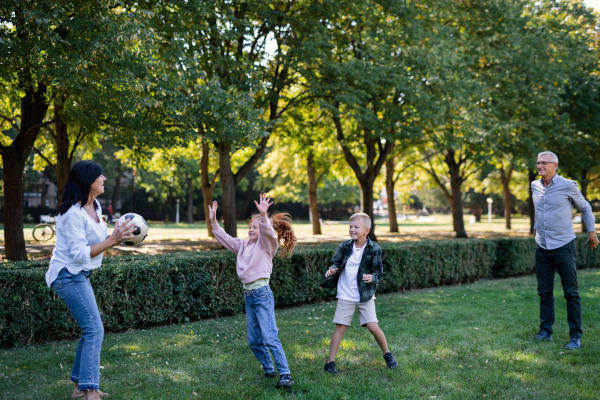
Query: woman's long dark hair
{"type": "Point", "coordinates": [77, 189]}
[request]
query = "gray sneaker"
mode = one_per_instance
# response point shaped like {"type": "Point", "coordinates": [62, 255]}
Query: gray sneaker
{"type": "Point", "coordinates": [285, 382]}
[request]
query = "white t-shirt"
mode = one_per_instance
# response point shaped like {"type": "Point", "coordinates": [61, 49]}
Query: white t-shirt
{"type": "Point", "coordinates": [76, 232]}
{"type": "Point", "coordinates": [347, 288]}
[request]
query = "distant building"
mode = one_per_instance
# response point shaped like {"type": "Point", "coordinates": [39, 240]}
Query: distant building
{"type": "Point", "coordinates": [40, 193]}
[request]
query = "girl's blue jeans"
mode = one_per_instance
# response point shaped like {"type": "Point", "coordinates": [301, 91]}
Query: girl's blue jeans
{"type": "Point", "coordinates": [262, 330]}
{"type": "Point", "coordinates": [77, 293]}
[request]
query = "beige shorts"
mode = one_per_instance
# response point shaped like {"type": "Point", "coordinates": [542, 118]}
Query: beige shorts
{"type": "Point", "coordinates": [345, 311]}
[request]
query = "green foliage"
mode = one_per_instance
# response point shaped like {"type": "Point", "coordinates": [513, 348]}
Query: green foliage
{"type": "Point", "coordinates": [143, 291]}
{"type": "Point", "coordinates": [515, 256]}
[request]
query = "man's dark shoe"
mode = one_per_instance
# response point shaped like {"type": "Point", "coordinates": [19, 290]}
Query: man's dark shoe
{"type": "Point", "coordinates": [541, 335]}
{"type": "Point", "coordinates": [574, 344]}
{"type": "Point", "coordinates": [390, 360]}
{"type": "Point", "coordinates": [330, 367]}
{"type": "Point", "coordinates": [269, 375]}
{"type": "Point", "coordinates": [285, 381]}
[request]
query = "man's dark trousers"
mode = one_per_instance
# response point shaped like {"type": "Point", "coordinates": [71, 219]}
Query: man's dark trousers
{"type": "Point", "coordinates": [562, 260]}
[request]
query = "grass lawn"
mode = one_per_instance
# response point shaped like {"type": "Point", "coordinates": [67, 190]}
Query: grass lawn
{"type": "Point", "coordinates": [461, 342]}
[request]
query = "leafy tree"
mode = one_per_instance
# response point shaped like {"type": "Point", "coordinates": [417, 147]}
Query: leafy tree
{"type": "Point", "coordinates": [454, 111]}
{"type": "Point", "coordinates": [45, 47]}
{"type": "Point", "coordinates": [361, 73]}
{"type": "Point", "coordinates": [224, 45]}
{"type": "Point", "coordinates": [305, 142]}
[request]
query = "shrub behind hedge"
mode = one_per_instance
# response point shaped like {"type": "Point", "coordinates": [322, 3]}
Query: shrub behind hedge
{"type": "Point", "coordinates": [143, 291]}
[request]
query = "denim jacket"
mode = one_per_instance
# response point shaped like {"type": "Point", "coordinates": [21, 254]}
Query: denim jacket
{"type": "Point", "coordinates": [370, 263]}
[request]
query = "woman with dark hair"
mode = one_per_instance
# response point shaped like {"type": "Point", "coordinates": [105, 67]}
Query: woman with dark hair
{"type": "Point", "coordinates": [81, 238]}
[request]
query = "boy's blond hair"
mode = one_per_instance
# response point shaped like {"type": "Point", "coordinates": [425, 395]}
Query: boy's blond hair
{"type": "Point", "coordinates": [364, 218]}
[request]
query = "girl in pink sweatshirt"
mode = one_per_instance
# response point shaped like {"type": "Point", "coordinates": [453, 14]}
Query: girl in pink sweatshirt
{"type": "Point", "coordinates": [254, 265]}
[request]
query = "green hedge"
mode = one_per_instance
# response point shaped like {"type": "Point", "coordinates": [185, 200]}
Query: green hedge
{"type": "Point", "coordinates": [143, 291]}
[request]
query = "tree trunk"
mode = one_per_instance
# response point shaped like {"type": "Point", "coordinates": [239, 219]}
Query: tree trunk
{"type": "Point", "coordinates": [584, 190]}
{"type": "Point", "coordinates": [532, 175]}
{"type": "Point", "coordinates": [13, 206]}
{"type": "Point", "coordinates": [229, 180]}
{"type": "Point", "coordinates": [505, 178]}
{"type": "Point", "coordinates": [207, 187]}
{"type": "Point", "coordinates": [367, 201]}
{"type": "Point", "coordinates": [389, 187]}
{"type": "Point", "coordinates": [190, 215]}
{"type": "Point", "coordinates": [456, 182]}
{"type": "Point", "coordinates": [507, 204]}
{"type": "Point", "coordinates": [228, 188]}
{"type": "Point", "coordinates": [33, 111]}
{"type": "Point", "coordinates": [63, 161]}
{"type": "Point", "coordinates": [313, 203]}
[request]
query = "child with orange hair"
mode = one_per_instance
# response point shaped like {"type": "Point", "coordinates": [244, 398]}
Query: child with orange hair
{"type": "Point", "coordinates": [254, 265]}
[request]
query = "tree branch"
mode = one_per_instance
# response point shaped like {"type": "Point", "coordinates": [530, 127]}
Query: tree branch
{"type": "Point", "coordinates": [437, 180]}
{"type": "Point", "coordinates": [11, 121]}
{"type": "Point", "coordinates": [347, 154]}
{"type": "Point", "coordinates": [39, 153]}
{"type": "Point", "coordinates": [241, 173]}
{"type": "Point", "coordinates": [37, 127]}
{"type": "Point", "coordinates": [77, 142]}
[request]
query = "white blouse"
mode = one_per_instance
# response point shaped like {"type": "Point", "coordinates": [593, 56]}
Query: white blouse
{"type": "Point", "coordinates": [76, 232]}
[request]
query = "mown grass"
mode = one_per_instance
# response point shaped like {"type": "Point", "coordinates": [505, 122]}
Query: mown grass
{"type": "Point", "coordinates": [442, 224]}
{"type": "Point", "coordinates": [461, 342]}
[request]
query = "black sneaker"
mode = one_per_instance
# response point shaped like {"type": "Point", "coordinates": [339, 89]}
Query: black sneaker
{"type": "Point", "coordinates": [269, 375]}
{"type": "Point", "coordinates": [574, 344]}
{"type": "Point", "coordinates": [542, 335]}
{"type": "Point", "coordinates": [390, 360]}
{"type": "Point", "coordinates": [330, 367]}
{"type": "Point", "coordinates": [285, 381]}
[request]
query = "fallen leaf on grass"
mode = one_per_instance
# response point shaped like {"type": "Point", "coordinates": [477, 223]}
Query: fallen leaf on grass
{"type": "Point", "coordinates": [195, 394]}
{"type": "Point", "coordinates": [61, 367]}
{"type": "Point", "coordinates": [436, 378]}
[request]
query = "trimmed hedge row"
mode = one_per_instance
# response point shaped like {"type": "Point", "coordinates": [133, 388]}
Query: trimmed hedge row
{"type": "Point", "coordinates": [143, 291]}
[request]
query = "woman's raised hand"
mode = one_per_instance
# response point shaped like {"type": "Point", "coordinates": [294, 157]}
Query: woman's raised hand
{"type": "Point", "coordinates": [212, 212]}
{"type": "Point", "coordinates": [264, 204]}
{"type": "Point", "coordinates": [123, 231]}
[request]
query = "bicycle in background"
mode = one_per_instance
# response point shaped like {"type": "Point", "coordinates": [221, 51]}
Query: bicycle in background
{"type": "Point", "coordinates": [44, 231]}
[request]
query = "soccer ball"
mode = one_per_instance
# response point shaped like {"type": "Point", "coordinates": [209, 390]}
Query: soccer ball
{"type": "Point", "coordinates": [141, 228]}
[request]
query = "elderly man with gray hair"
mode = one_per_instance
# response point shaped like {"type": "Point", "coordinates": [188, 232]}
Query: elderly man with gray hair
{"type": "Point", "coordinates": [553, 199]}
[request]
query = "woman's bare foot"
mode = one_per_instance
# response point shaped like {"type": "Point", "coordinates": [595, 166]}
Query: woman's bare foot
{"type": "Point", "coordinates": [93, 395]}
{"type": "Point", "coordinates": [77, 394]}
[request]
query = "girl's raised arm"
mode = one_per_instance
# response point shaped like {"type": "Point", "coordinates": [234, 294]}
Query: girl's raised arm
{"type": "Point", "coordinates": [230, 243]}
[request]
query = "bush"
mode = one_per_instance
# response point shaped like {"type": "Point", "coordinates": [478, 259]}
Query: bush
{"type": "Point", "coordinates": [143, 291]}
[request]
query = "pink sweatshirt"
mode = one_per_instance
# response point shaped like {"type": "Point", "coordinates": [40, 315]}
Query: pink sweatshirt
{"type": "Point", "coordinates": [254, 260]}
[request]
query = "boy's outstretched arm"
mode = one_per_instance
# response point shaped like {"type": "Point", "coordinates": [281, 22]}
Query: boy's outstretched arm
{"type": "Point", "coordinates": [336, 262]}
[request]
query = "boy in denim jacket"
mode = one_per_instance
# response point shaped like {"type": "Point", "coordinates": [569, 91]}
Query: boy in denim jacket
{"type": "Point", "coordinates": [356, 268]}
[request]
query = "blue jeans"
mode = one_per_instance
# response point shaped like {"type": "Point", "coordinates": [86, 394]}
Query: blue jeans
{"type": "Point", "coordinates": [262, 330]}
{"type": "Point", "coordinates": [77, 293]}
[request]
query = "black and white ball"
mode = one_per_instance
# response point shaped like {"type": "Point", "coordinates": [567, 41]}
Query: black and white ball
{"type": "Point", "coordinates": [141, 228]}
